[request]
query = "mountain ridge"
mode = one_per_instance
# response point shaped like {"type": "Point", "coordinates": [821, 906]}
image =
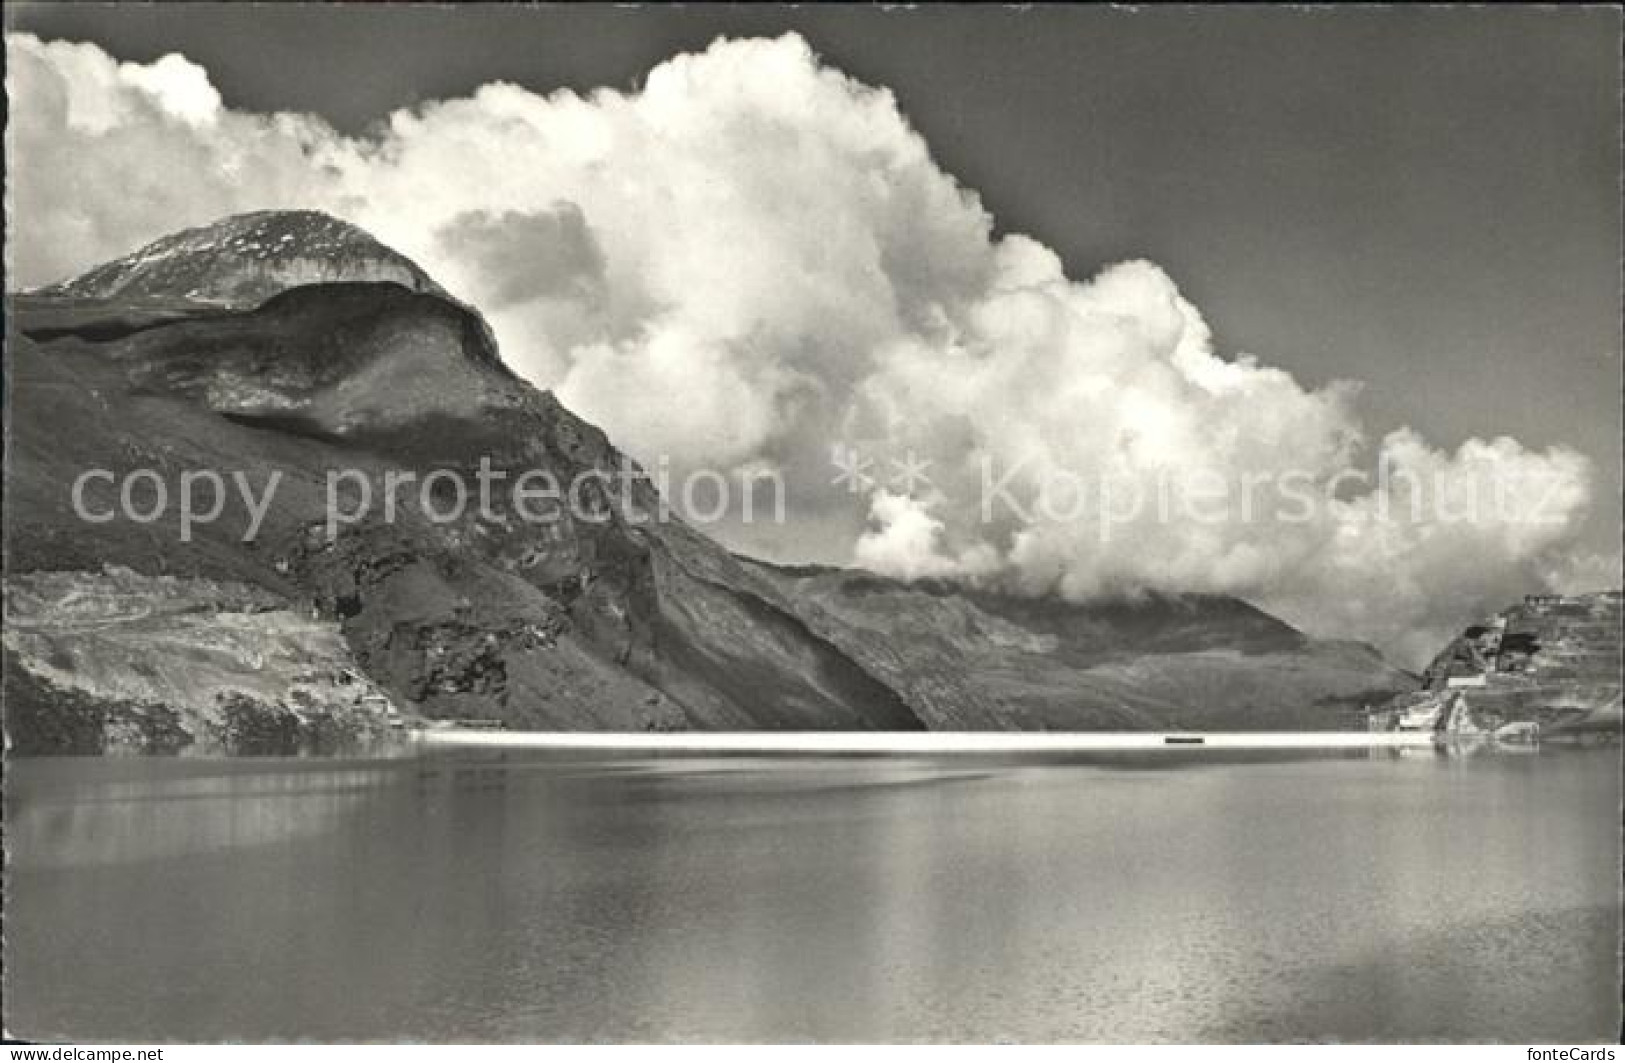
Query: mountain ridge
{"type": "Point", "coordinates": [567, 624]}
{"type": "Point", "coordinates": [241, 260]}
{"type": "Point", "coordinates": [1551, 659]}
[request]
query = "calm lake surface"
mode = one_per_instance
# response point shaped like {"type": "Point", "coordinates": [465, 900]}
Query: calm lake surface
{"type": "Point", "coordinates": [525, 896]}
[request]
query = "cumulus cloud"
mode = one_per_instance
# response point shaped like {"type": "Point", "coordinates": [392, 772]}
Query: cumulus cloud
{"type": "Point", "coordinates": [754, 257]}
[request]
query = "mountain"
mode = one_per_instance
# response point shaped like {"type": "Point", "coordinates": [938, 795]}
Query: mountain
{"type": "Point", "coordinates": [974, 660]}
{"type": "Point", "coordinates": [1551, 659]}
{"type": "Point", "coordinates": [289, 348]}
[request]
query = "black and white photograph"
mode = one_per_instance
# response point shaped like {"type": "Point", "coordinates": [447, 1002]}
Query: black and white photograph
{"type": "Point", "coordinates": [549, 524]}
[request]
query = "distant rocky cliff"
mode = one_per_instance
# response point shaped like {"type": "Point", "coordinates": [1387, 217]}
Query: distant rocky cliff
{"type": "Point", "coordinates": [213, 351]}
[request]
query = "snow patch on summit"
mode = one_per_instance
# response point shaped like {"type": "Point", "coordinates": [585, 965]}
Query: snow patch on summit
{"type": "Point", "coordinates": [242, 260]}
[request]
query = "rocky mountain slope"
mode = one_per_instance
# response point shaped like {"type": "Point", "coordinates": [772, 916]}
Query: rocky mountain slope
{"type": "Point", "coordinates": [243, 260]}
{"type": "Point", "coordinates": [237, 351]}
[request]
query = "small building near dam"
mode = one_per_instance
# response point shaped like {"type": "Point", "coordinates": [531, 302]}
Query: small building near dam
{"type": "Point", "coordinates": [1552, 660]}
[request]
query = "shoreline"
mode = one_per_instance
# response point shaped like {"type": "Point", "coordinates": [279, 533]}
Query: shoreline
{"type": "Point", "coordinates": [930, 742]}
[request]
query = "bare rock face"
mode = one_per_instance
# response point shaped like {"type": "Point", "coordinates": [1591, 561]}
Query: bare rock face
{"type": "Point", "coordinates": [1552, 659]}
{"type": "Point", "coordinates": [328, 359]}
{"type": "Point", "coordinates": [245, 259]}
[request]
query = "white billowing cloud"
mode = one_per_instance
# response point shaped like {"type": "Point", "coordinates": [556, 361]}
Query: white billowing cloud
{"type": "Point", "coordinates": [1440, 537]}
{"type": "Point", "coordinates": [907, 541]}
{"type": "Point", "coordinates": [179, 87]}
{"type": "Point", "coordinates": [754, 258]}
{"type": "Point", "coordinates": [105, 156]}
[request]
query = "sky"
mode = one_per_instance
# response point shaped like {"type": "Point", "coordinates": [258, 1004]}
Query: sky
{"type": "Point", "coordinates": [1425, 201]}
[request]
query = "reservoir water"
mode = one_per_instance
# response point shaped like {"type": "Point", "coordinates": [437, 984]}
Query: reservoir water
{"type": "Point", "coordinates": [526, 895]}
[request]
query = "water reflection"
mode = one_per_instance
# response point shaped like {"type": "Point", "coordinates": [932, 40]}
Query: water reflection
{"type": "Point", "coordinates": [1161, 896]}
{"type": "Point", "coordinates": [140, 810]}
